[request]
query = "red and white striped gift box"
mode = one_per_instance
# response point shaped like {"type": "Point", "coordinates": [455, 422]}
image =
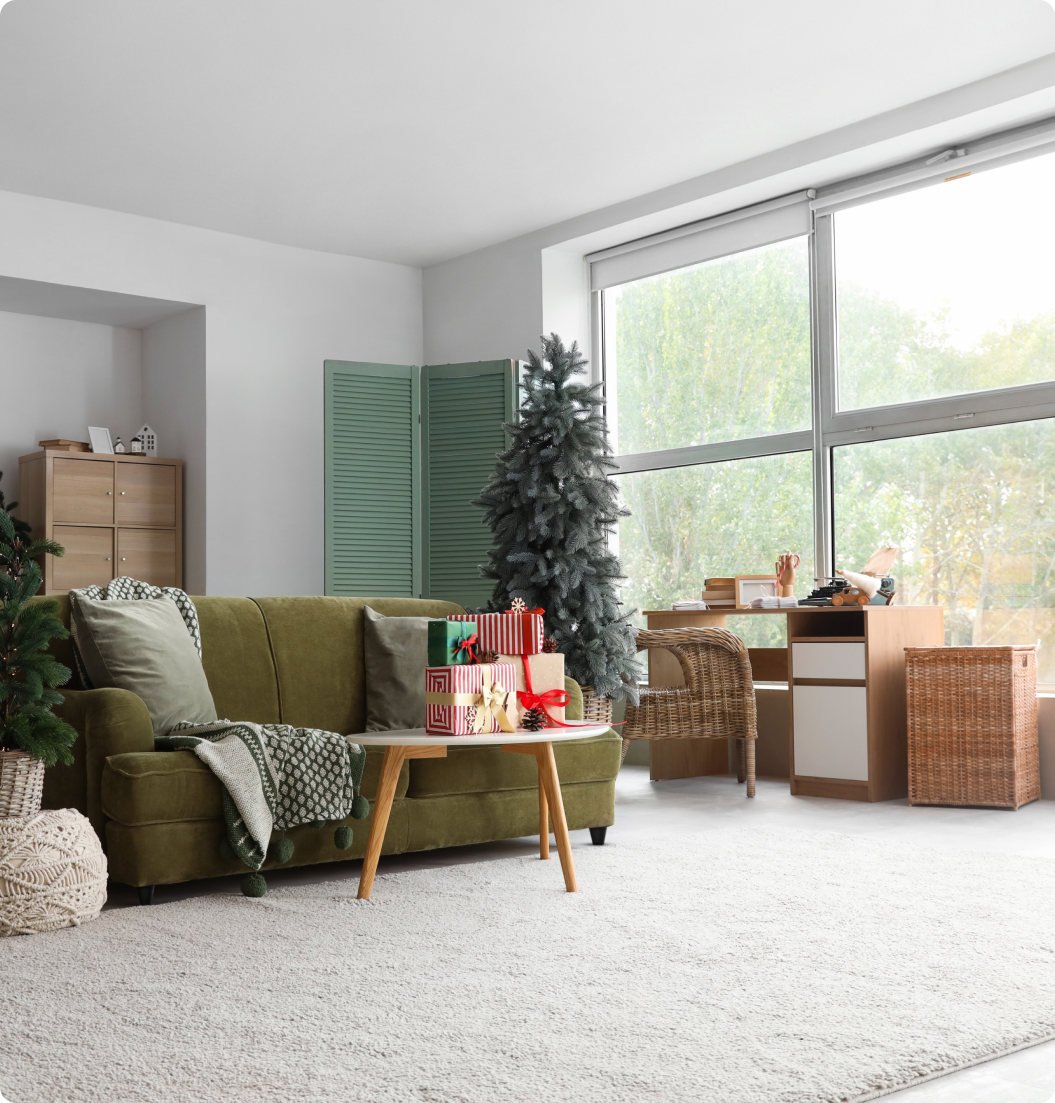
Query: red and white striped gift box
{"type": "Point", "coordinates": [467, 680]}
{"type": "Point", "coordinates": [507, 633]}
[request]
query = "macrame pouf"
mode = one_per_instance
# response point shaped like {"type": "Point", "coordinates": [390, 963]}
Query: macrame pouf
{"type": "Point", "coordinates": [52, 872]}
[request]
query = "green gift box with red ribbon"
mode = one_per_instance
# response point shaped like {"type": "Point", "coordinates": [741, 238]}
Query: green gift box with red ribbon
{"type": "Point", "coordinates": [453, 643]}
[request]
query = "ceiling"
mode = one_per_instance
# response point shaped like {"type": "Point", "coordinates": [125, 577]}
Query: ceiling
{"type": "Point", "coordinates": [413, 131]}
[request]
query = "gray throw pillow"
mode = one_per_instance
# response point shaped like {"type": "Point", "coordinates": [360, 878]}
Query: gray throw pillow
{"type": "Point", "coordinates": [396, 652]}
{"type": "Point", "coordinates": [143, 646]}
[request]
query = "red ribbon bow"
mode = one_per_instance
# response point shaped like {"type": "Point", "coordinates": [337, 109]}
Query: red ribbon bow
{"type": "Point", "coordinates": [558, 698]}
{"type": "Point", "coordinates": [469, 646]}
{"type": "Point", "coordinates": [523, 612]}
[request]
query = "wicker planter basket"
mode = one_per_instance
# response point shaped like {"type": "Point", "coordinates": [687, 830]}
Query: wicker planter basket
{"type": "Point", "coordinates": [595, 710]}
{"type": "Point", "coordinates": [972, 726]}
{"type": "Point", "coordinates": [21, 784]}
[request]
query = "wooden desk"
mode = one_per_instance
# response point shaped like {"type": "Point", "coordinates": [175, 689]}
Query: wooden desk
{"type": "Point", "coordinates": [860, 683]}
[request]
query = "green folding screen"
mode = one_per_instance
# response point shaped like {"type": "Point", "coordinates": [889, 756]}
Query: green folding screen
{"type": "Point", "coordinates": [399, 522]}
{"type": "Point", "coordinates": [373, 480]}
{"type": "Point", "coordinates": [463, 407]}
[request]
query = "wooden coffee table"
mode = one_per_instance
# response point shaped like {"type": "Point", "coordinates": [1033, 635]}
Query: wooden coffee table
{"type": "Point", "coordinates": [414, 743]}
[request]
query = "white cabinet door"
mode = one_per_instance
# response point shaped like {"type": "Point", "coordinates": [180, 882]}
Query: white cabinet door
{"type": "Point", "coordinates": [828, 660]}
{"type": "Point", "coordinates": [831, 731]}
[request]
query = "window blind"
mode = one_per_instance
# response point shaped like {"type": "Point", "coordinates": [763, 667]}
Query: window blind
{"type": "Point", "coordinates": [748, 228]}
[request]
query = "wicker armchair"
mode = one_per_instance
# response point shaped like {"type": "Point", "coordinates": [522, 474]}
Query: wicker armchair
{"type": "Point", "coordinates": [716, 702]}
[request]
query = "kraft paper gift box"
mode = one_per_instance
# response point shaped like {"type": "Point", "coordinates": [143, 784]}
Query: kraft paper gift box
{"type": "Point", "coordinates": [547, 675]}
{"type": "Point", "coordinates": [449, 642]}
{"type": "Point", "coordinates": [507, 633]}
{"type": "Point", "coordinates": [470, 700]}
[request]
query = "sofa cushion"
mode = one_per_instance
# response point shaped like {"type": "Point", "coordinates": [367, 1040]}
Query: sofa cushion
{"type": "Point", "coordinates": [143, 647]}
{"type": "Point", "coordinates": [490, 769]}
{"type": "Point", "coordinates": [317, 643]}
{"type": "Point", "coordinates": [237, 658]}
{"type": "Point", "coordinates": [175, 786]}
{"type": "Point", "coordinates": [396, 652]}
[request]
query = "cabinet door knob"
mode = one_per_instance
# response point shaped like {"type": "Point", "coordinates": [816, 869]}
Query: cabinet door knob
{"type": "Point", "coordinates": [108, 493]}
{"type": "Point", "coordinates": [122, 493]}
{"type": "Point", "coordinates": [107, 559]}
{"type": "Point", "coordinates": [123, 558]}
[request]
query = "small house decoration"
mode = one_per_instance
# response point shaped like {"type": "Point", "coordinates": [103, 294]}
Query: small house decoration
{"type": "Point", "coordinates": [149, 439]}
{"type": "Point", "coordinates": [136, 444]}
{"type": "Point", "coordinates": [119, 446]}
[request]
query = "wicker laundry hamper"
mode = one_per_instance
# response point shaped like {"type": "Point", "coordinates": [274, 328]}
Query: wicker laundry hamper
{"type": "Point", "coordinates": [52, 872]}
{"type": "Point", "coordinates": [972, 726]}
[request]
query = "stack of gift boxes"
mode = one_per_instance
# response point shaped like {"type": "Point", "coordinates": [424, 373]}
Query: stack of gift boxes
{"type": "Point", "coordinates": [467, 696]}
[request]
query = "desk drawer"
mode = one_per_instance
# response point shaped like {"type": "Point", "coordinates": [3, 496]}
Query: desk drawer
{"type": "Point", "coordinates": [840, 661]}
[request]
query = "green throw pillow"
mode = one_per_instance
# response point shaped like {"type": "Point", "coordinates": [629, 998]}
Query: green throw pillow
{"type": "Point", "coordinates": [143, 646]}
{"type": "Point", "coordinates": [396, 651]}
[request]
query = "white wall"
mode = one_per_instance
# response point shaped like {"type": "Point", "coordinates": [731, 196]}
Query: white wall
{"type": "Point", "coordinates": [58, 377]}
{"type": "Point", "coordinates": [274, 315]}
{"type": "Point", "coordinates": [484, 306]}
{"type": "Point", "coordinates": [175, 406]}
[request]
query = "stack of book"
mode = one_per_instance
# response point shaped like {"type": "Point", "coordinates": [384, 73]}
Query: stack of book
{"type": "Point", "coordinates": [719, 592]}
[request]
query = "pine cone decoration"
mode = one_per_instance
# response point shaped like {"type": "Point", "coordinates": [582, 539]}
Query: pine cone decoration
{"type": "Point", "coordinates": [534, 720]}
{"type": "Point", "coordinates": [549, 645]}
{"type": "Point", "coordinates": [488, 656]}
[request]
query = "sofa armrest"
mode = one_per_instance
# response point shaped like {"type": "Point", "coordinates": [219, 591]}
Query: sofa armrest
{"type": "Point", "coordinates": [573, 709]}
{"type": "Point", "coordinates": [108, 721]}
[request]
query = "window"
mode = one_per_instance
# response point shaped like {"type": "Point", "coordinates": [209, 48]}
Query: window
{"type": "Point", "coordinates": [878, 371]}
{"type": "Point", "coordinates": [973, 513]}
{"type": "Point", "coordinates": [710, 353]}
{"type": "Point", "coordinates": [692, 522]}
{"type": "Point", "coordinates": [949, 289]}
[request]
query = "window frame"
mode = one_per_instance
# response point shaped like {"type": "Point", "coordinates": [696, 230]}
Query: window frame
{"type": "Point", "coordinates": [832, 427]}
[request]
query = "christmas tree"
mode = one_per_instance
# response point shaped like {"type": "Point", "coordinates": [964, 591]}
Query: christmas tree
{"type": "Point", "coordinates": [552, 507]}
{"type": "Point", "coordinates": [28, 674]}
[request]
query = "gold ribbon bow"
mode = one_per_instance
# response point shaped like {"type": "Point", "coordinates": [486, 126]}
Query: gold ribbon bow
{"type": "Point", "coordinates": [490, 703]}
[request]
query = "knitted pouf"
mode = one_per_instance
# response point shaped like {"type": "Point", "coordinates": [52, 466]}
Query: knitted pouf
{"type": "Point", "coordinates": [52, 872]}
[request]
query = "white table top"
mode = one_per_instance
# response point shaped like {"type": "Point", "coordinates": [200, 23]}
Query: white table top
{"type": "Point", "coordinates": [416, 737]}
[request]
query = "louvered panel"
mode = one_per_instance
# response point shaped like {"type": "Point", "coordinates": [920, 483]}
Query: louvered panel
{"type": "Point", "coordinates": [465, 406]}
{"type": "Point", "coordinates": [372, 480]}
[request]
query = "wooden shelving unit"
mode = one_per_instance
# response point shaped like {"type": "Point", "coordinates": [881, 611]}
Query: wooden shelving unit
{"type": "Point", "coordinates": [114, 515]}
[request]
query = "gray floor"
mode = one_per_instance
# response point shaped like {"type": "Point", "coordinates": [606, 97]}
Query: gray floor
{"type": "Point", "coordinates": [672, 808]}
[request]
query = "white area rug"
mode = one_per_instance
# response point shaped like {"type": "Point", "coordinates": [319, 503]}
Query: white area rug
{"type": "Point", "coordinates": [746, 966]}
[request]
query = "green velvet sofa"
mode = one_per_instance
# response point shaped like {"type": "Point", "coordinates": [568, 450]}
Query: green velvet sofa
{"type": "Point", "coordinates": [297, 660]}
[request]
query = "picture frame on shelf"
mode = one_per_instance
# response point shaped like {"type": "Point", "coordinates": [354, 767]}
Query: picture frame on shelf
{"type": "Point", "coordinates": [100, 440]}
{"type": "Point", "coordinates": [747, 587]}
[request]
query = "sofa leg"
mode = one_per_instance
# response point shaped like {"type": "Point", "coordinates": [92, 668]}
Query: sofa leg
{"type": "Point", "coordinates": [146, 894]}
{"type": "Point", "coordinates": [597, 835]}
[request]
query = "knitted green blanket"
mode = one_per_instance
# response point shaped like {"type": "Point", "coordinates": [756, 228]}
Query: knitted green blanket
{"type": "Point", "coordinates": [275, 777]}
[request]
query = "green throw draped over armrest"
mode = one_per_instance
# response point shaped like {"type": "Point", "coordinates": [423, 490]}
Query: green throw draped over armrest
{"type": "Point", "coordinates": [108, 721]}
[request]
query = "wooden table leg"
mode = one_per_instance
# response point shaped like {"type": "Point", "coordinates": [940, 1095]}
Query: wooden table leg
{"type": "Point", "coordinates": [547, 769]}
{"type": "Point", "coordinates": [386, 790]}
{"type": "Point", "coordinates": [543, 821]}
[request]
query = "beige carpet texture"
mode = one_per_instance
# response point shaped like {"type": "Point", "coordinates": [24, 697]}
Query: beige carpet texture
{"type": "Point", "coordinates": [744, 966]}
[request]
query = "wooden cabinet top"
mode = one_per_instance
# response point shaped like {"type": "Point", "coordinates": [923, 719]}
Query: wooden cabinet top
{"type": "Point", "coordinates": [120, 457]}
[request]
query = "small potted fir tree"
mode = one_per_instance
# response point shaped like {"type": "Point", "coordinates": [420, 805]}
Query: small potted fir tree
{"type": "Point", "coordinates": [31, 735]}
{"type": "Point", "coordinates": [552, 507]}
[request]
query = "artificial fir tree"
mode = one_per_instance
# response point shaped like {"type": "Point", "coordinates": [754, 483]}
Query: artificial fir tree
{"type": "Point", "coordinates": [28, 674]}
{"type": "Point", "coordinates": [552, 506]}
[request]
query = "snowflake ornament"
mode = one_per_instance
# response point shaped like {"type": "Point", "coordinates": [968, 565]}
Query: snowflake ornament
{"type": "Point", "coordinates": [518, 605]}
